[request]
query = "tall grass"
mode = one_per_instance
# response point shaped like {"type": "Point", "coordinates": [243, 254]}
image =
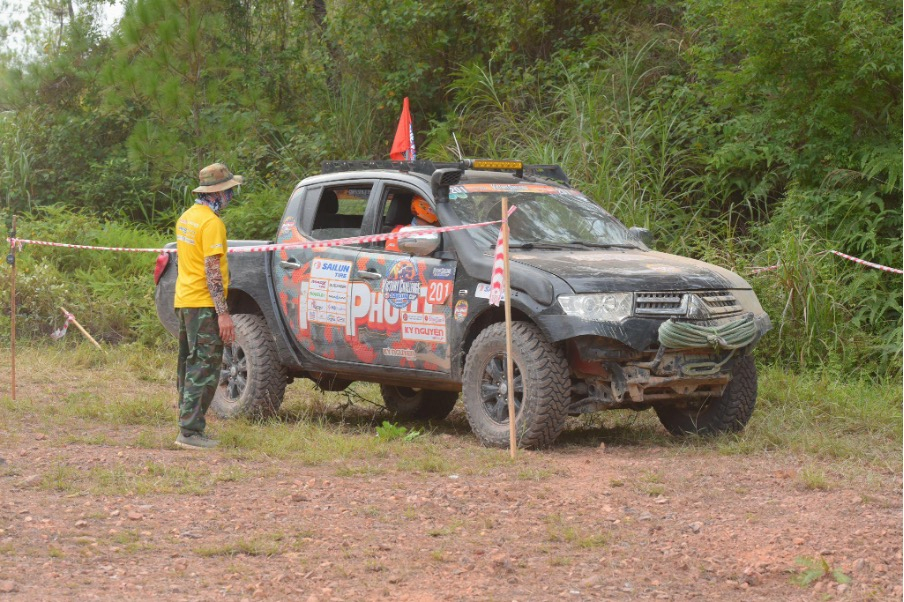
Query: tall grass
{"type": "Point", "coordinates": [628, 151]}
{"type": "Point", "coordinates": [16, 170]}
{"type": "Point", "coordinates": [111, 294]}
{"type": "Point", "coordinates": [628, 134]}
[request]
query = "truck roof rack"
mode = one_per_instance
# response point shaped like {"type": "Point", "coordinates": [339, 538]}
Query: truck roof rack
{"type": "Point", "coordinates": [549, 172]}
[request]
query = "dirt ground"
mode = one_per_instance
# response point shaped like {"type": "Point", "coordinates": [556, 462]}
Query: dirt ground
{"type": "Point", "coordinates": [609, 523]}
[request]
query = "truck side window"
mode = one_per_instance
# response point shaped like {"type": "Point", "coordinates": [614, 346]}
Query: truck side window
{"type": "Point", "coordinates": [340, 211]}
{"type": "Point", "coordinates": [396, 213]}
{"type": "Point", "coordinates": [396, 209]}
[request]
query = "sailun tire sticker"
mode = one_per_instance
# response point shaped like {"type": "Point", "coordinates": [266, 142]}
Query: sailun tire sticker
{"type": "Point", "coordinates": [869, 264]}
{"type": "Point", "coordinates": [318, 244]}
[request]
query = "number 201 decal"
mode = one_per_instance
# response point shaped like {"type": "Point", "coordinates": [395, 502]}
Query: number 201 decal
{"type": "Point", "coordinates": [438, 291]}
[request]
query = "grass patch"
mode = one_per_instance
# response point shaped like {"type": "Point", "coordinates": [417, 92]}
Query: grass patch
{"type": "Point", "coordinates": [830, 419]}
{"type": "Point", "coordinates": [126, 479]}
{"type": "Point", "coordinates": [88, 439]}
{"type": "Point", "coordinates": [813, 479]}
{"type": "Point", "coordinates": [558, 531]}
{"type": "Point", "coordinates": [266, 545]}
{"type": "Point", "coordinates": [536, 474]}
{"type": "Point", "coordinates": [449, 529]}
{"type": "Point", "coordinates": [60, 478]}
{"type": "Point", "coordinates": [814, 569]}
{"type": "Point", "coordinates": [130, 541]}
{"type": "Point", "coordinates": [73, 392]}
{"type": "Point", "coordinates": [809, 414]}
{"type": "Point", "coordinates": [151, 412]}
{"type": "Point", "coordinates": [366, 470]}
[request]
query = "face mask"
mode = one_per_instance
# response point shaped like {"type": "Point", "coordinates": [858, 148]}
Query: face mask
{"type": "Point", "coordinates": [217, 201]}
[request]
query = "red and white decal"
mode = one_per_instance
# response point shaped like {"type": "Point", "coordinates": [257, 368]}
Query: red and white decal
{"type": "Point", "coordinates": [438, 291]}
{"type": "Point", "coordinates": [424, 332]}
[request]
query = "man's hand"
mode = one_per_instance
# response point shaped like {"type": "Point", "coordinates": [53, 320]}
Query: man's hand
{"type": "Point", "coordinates": [227, 329]}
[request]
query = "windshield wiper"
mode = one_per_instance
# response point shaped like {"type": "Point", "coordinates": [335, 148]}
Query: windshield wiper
{"type": "Point", "coordinates": [604, 245]}
{"type": "Point", "coordinates": [527, 246]}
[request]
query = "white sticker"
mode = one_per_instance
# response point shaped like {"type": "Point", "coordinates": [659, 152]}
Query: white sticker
{"type": "Point", "coordinates": [331, 269]}
{"type": "Point", "coordinates": [424, 332]}
{"type": "Point", "coordinates": [327, 298]}
{"type": "Point", "coordinates": [423, 318]}
{"type": "Point", "coordinates": [406, 353]}
{"type": "Point", "coordinates": [483, 291]}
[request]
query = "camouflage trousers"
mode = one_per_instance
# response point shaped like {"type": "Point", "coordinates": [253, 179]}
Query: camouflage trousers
{"type": "Point", "coordinates": [200, 362]}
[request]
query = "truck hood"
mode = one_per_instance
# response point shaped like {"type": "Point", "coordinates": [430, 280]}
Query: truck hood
{"type": "Point", "coordinates": [629, 270]}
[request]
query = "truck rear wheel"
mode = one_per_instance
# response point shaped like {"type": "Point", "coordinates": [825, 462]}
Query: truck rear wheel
{"type": "Point", "coordinates": [728, 413]}
{"type": "Point", "coordinates": [541, 382]}
{"type": "Point", "coordinates": [418, 404]}
{"type": "Point", "coordinates": [252, 380]}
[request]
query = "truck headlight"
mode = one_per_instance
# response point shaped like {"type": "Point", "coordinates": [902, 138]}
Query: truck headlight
{"type": "Point", "coordinates": [603, 307]}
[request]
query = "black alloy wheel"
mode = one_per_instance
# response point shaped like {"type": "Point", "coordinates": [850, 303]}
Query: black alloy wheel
{"type": "Point", "coordinates": [494, 389]}
{"type": "Point", "coordinates": [234, 373]}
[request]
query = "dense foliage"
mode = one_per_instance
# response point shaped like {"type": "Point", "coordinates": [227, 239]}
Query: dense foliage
{"type": "Point", "coordinates": [742, 132]}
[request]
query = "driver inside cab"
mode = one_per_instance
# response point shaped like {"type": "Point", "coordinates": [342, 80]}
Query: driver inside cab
{"type": "Point", "coordinates": [423, 216]}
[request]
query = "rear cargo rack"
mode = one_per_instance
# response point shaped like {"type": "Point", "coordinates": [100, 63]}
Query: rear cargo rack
{"type": "Point", "coordinates": [549, 172]}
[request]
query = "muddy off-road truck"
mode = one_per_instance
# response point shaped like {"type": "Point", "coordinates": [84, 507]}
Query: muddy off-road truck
{"type": "Point", "coordinates": [600, 321]}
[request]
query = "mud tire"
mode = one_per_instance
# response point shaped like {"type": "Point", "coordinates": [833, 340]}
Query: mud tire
{"type": "Point", "coordinates": [542, 396]}
{"type": "Point", "coordinates": [406, 403]}
{"type": "Point", "coordinates": [726, 414]}
{"type": "Point", "coordinates": [256, 387]}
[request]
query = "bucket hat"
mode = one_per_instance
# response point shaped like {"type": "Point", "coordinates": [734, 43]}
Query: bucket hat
{"type": "Point", "coordinates": [217, 177]}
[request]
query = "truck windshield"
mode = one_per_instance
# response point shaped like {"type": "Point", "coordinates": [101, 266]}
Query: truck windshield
{"type": "Point", "coordinates": [546, 216]}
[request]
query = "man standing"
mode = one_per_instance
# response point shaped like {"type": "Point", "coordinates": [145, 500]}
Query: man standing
{"type": "Point", "coordinates": [201, 288]}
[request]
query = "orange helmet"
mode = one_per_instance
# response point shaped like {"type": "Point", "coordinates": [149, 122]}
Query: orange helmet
{"type": "Point", "coordinates": [421, 208]}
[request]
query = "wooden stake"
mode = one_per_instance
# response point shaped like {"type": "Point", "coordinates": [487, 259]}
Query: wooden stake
{"type": "Point", "coordinates": [72, 319]}
{"type": "Point", "coordinates": [509, 361]}
{"type": "Point", "coordinates": [12, 307]}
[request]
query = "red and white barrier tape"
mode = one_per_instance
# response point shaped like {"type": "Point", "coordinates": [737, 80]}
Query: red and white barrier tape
{"type": "Point", "coordinates": [497, 278]}
{"type": "Point", "coordinates": [884, 268]}
{"type": "Point", "coordinates": [61, 332]}
{"type": "Point", "coordinates": [877, 266]}
{"type": "Point", "coordinates": [371, 238]}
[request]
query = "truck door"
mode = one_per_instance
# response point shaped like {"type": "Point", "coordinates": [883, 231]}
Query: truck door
{"type": "Point", "coordinates": [401, 305]}
{"type": "Point", "coordinates": [314, 285]}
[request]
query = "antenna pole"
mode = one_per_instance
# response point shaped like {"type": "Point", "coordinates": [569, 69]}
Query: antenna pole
{"type": "Point", "coordinates": [11, 260]}
{"type": "Point", "coordinates": [458, 148]}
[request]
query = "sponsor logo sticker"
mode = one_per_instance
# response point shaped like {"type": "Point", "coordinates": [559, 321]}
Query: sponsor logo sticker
{"type": "Point", "coordinates": [424, 332]}
{"type": "Point", "coordinates": [406, 353]}
{"type": "Point", "coordinates": [461, 310]}
{"type": "Point", "coordinates": [401, 286]}
{"type": "Point", "coordinates": [483, 291]}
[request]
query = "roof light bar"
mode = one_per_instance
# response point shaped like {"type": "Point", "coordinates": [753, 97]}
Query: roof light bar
{"type": "Point", "coordinates": [496, 164]}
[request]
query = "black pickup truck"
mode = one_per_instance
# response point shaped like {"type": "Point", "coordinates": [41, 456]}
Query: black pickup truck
{"type": "Point", "coordinates": [600, 321]}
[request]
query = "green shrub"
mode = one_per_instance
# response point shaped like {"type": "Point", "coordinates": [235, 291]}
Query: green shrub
{"type": "Point", "coordinates": [111, 294]}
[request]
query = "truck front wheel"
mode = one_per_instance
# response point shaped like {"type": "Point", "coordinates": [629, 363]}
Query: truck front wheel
{"type": "Point", "coordinates": [252, 380]}
{"type": "Point", "coordinates": [418, 404]}
{"type": "Point", "coordinates": [542, 387]}
{"type": "Point", "coordinates": [728, 413]}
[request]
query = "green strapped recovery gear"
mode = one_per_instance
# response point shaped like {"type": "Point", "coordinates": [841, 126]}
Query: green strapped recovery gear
{"type": "Point", "coordinates": [686, 335]}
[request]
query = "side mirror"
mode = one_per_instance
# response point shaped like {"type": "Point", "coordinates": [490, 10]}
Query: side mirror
{"type": "Point", "coordinates": [642, 235]}
{"type": "Point", "coordinates": [415, 241]}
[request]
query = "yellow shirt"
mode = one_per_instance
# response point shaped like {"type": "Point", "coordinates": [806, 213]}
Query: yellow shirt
{"type": "Point", "coordinates": [200, 233]}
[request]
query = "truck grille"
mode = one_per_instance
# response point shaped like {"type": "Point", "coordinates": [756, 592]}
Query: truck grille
{"type": "Point", "coordinates": [703, 304]}
{"type": "Point", "coordinates": [720, 303]}
{"type": "Point", "coordinates": [660, 304]}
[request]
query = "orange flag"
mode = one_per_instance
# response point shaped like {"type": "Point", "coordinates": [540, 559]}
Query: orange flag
{"type": "Point", "coordinates": [403, 145]}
